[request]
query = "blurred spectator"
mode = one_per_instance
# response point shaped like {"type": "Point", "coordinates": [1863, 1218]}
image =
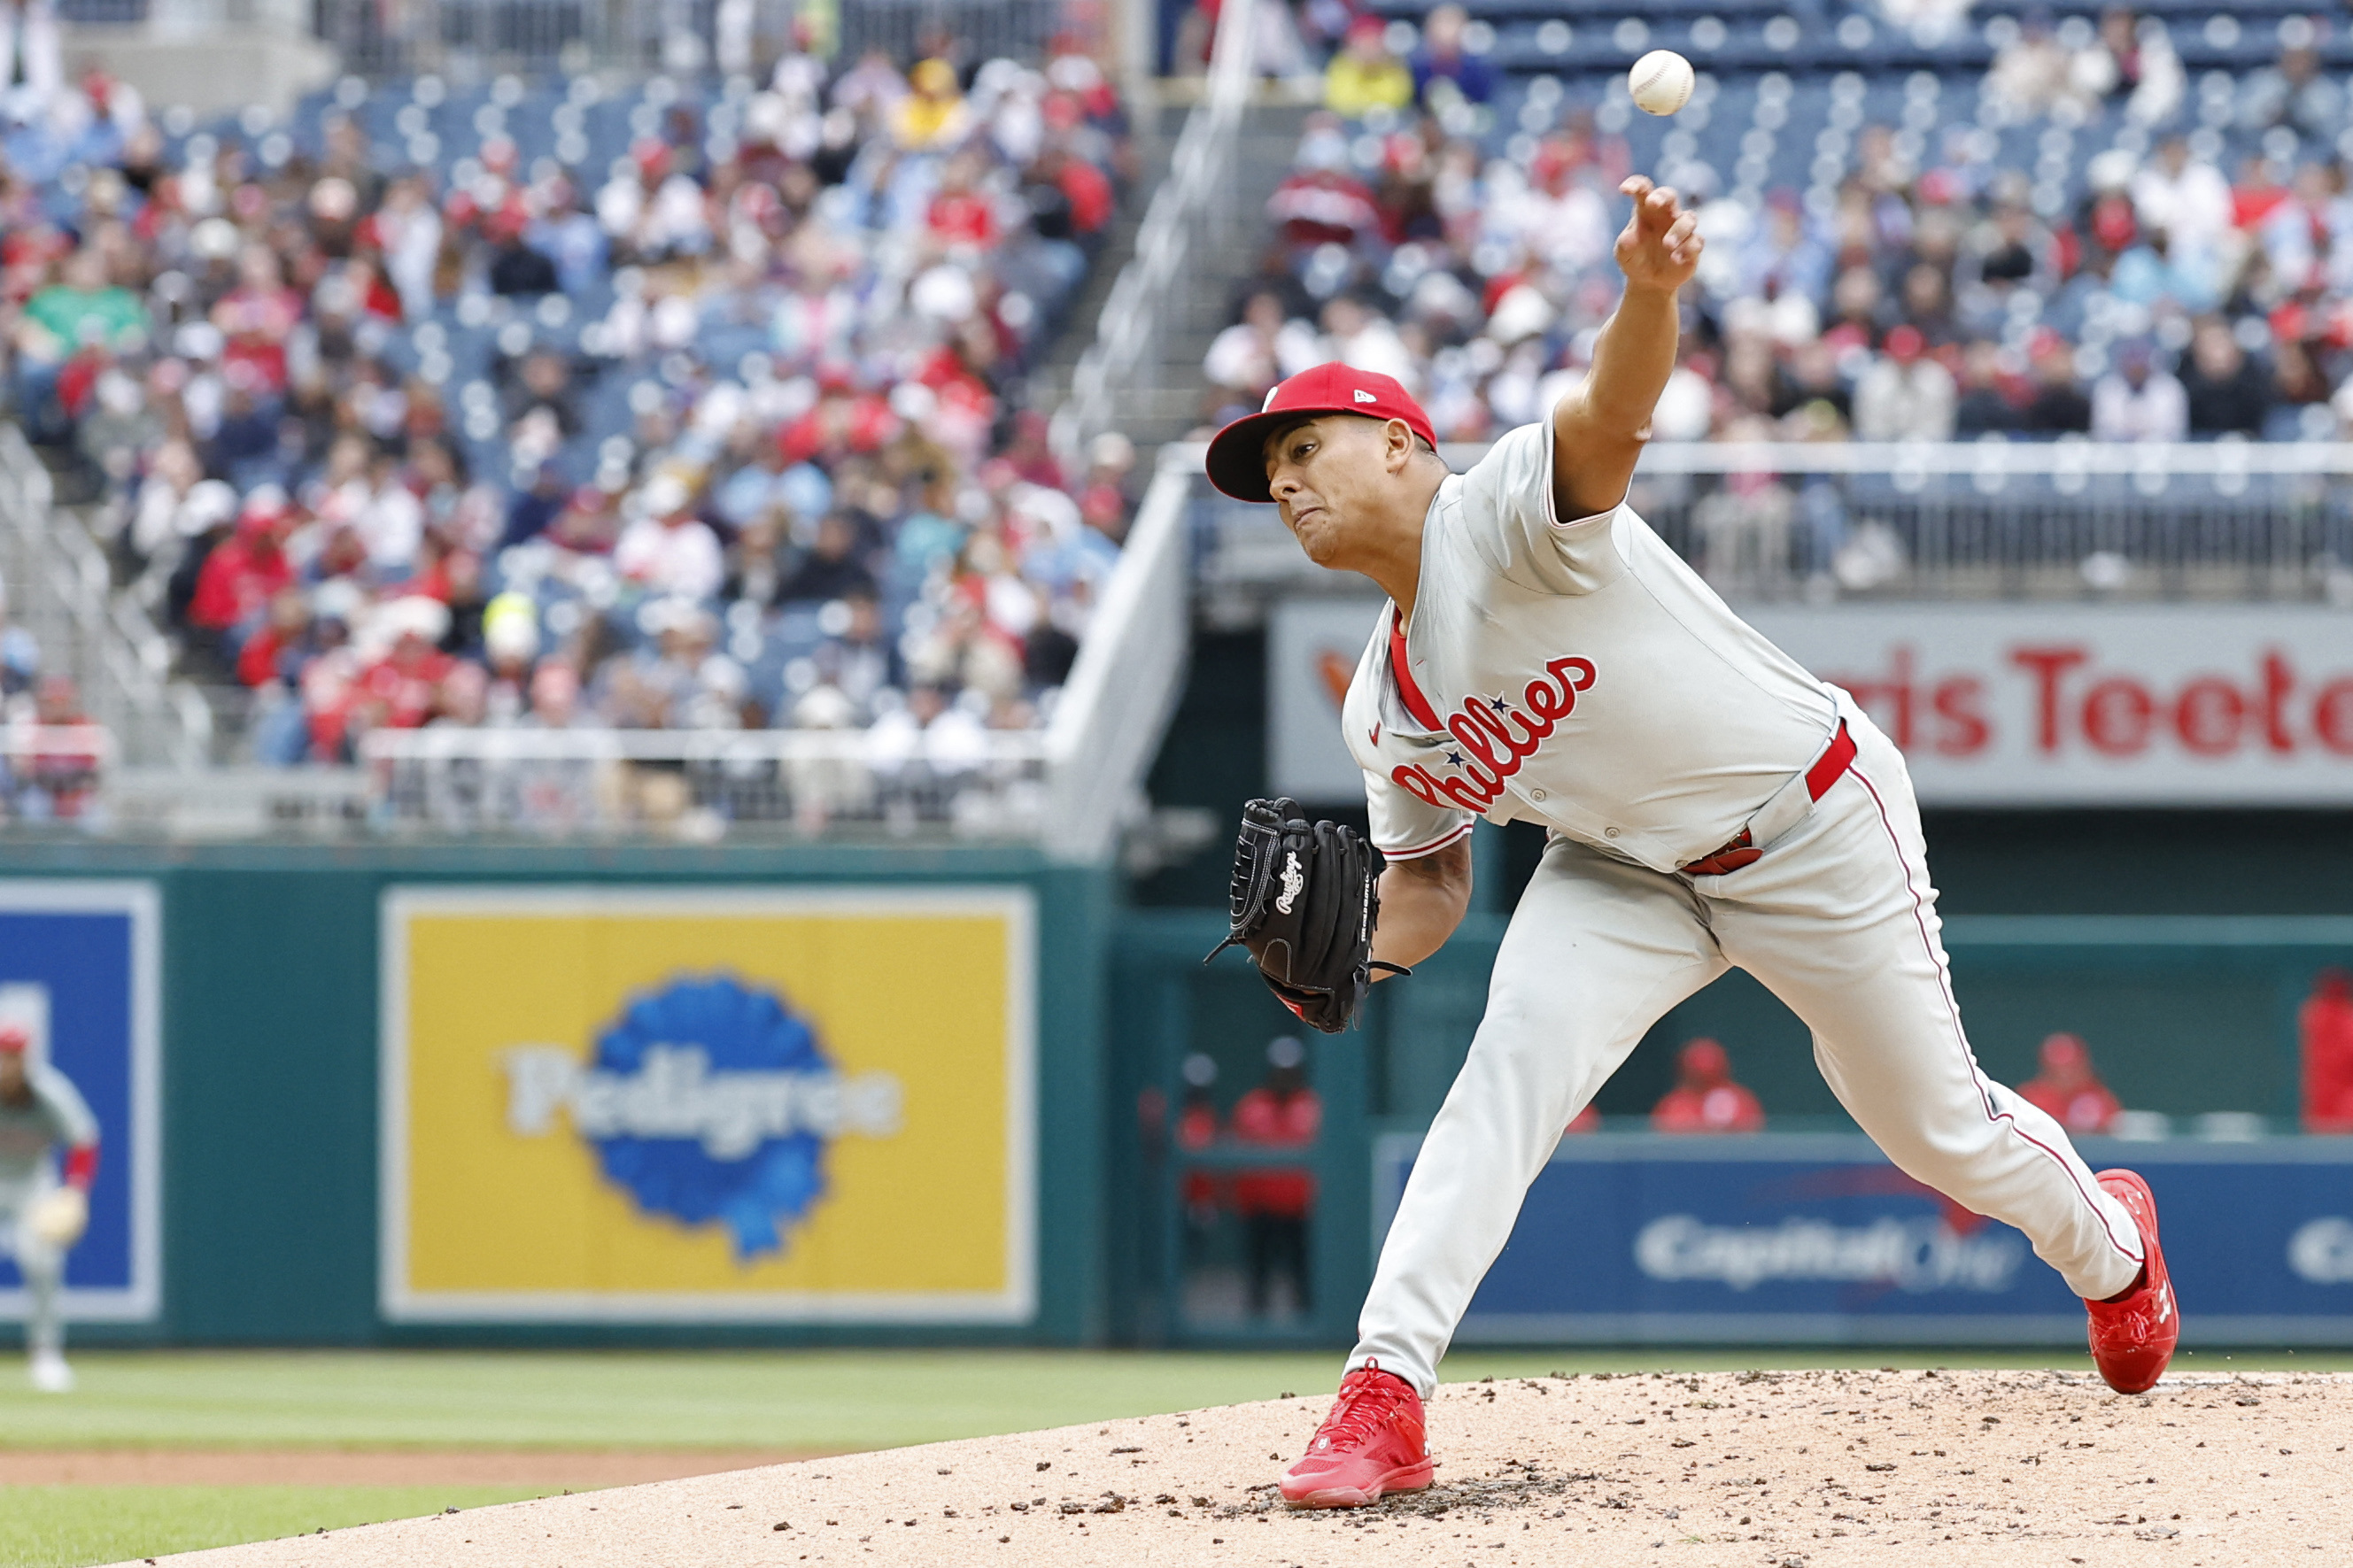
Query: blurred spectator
{"type": "Point", "coordinates": [1705, 1099]}
{"type": "Point", "coordinates": [516, 267]}
{"type": "Point", "coordinates": [1444, 69]}
{"type": "Point", "coordinates": [2133, 58]}
{"type": "Point", "coordinates": [1585, 1120]}
{"type": "Point", "coordinates": [242, 575]}
{"type": "Point", "coordinates": [831, 570]}
{"type": "Point", "coordinates": [2034, 71]}
{"type": "Point", "coordinates": [2226, 391]}
{"type": "Point", "coordinates": [79, 313]}
{"type": "Point", "coordinates": [1247, 358]}
{"type": "Point", "coordinates": [2296, 93]}
{"type": "Point", "coordinates": [52, 768]}
{"type": "Point", "coordinates": [1196, 1129]}
{"type": "Point", "coordinates": [2325, 1038]}
{"type": "Point", "coordinates": [1905, 396]}
{"type": "Point", "coordinates": [2183, 195]}
{"type": "Point", "coordinates": [1358, 336]}
{"type": "Point", "coordinates": [1364, 76]}
{"type": "Point", "coordinates": [2068, 1089]}
{"type": "Point", "coordinates": [2058, 406]}
{"type": "Point", "coordinates": [2137, 401]}
{"type": "Point", "coordinates": [1320, 202]}
{"type": "Point", "coordinates": [1282, 1113]}
{"type": "Point", "coordinates": [1986, 403]}
{"type": "Point", "coordinates": [932, 112]}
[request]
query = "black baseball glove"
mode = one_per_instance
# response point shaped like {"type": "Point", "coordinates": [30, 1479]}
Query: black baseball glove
{"type": "Point", "coordinates": [1305, 905]}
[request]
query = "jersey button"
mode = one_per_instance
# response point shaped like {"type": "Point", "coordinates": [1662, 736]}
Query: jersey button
{"type": "Point", "coordinates": [1536, 794]}
{"type": "Point", "coordinates": [1609, 832]}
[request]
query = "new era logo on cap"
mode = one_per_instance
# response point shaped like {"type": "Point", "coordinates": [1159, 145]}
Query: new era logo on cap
{"type": "Point", "coordinates": [1237, 462]}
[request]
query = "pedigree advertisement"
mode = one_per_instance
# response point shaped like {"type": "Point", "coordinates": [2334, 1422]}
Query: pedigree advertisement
{"type": "Point", "coordinates": [1992, 705]}
{"type": "Point", "coordinates": [698, 1105]}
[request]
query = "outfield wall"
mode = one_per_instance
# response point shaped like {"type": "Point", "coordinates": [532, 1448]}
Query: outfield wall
{"type": "Point", "coordinates": [389, 1096]}
{"type": "Point", "coordinates": [336, 1160]}
{"type": "Point", "coordinates": [2188, 1017]}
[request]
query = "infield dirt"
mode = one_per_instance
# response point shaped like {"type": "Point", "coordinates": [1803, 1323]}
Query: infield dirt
{"type": "Point", "coordinates": [1793, 1470]}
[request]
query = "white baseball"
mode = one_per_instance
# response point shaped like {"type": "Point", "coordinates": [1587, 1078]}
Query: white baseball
{"type": "Point", "coordinates": [1661, 82]}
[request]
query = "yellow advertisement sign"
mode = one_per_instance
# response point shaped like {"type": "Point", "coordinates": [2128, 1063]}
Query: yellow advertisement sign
{"type": "Point", "coordinates": [694, 1104]}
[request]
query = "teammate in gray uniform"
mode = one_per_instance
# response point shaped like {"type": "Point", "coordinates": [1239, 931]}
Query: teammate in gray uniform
{"type": "Point", "coordinates": [42, 1212]}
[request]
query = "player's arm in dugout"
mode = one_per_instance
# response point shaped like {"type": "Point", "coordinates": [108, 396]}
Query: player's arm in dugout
{"type": "Point", "coordinates": [1598, 430]}
{"type": "Point", "coordinates": [1422, 901]}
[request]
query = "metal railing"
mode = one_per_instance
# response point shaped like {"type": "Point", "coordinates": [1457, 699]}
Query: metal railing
{"type": "Point", "coordinates": [704, 785]}
{"type": "Point", "coordinates": [1184, 221]}
{"type": "Point", "coordinates": [983, 29]}
{"type": "Point", "coordinates": [58, 588]}
{"type": "Point", "coordinates": [2070, 520]}
{"type": "Point", "coordinates": [537, 36]}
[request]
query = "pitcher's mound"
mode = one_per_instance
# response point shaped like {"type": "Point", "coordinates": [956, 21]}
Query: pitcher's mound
{"type": "Point", "coordinates": [1809, 1469]}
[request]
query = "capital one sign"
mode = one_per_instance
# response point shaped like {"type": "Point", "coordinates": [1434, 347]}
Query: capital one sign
{"type": "Point", "coordinates": [2096, 704]}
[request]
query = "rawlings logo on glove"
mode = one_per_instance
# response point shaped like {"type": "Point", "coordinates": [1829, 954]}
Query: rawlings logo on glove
{"type": "Point", "coordinates": [1293, 879]}
{"type": "Point", "coordinates": [1313, 940]}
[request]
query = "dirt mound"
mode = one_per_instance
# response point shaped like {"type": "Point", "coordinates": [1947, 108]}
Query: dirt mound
{"type": "Point", "coordinates": [1809, 1469]}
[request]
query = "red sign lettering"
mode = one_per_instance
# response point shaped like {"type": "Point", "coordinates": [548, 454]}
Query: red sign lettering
{"type": "Point", "coordinates": [2050, 665]}
{"type": "Point", "coordinates": [2117, 717]}
{"type": "Point", "coordinates": [1959, 704]}
{"type": "Point", "coordinates": [2208, 716]}
{"type": "Point", "coordinates": [2332, 717]}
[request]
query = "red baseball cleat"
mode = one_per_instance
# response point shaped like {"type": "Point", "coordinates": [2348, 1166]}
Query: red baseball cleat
{"type": "Point", "coordinates": [2133, 1339]}
{"type": "Point", "coordinates": [1371, 1444]}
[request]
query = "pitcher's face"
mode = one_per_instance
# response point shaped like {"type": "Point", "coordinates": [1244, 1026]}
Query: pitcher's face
{"type": "Point", "coordinates": [1326, 476]}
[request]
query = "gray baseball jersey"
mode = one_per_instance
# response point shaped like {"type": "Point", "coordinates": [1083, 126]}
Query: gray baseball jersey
{"type": "Point", "coordinates": [55, 1114]}
{"type": "Point", "coordinates": [1577, 675]}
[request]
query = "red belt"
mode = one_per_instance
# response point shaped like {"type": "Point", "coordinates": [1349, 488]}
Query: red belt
{"type": "Point", "coordinates": [1827, 769]}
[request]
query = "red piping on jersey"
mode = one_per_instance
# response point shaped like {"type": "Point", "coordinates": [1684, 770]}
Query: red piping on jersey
{"type": "Point", "coordinates": [82, 1166]}
{"type": "Point", "coordinates": [1416, 703]}
{"type": "Point", "coordinates": [1416, 851]}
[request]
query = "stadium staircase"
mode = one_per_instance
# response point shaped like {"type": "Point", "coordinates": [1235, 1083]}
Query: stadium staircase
{"type": "Point", "coordinates": [1163, 403]}
{"type": "Point", "coordinates": [61, 589]}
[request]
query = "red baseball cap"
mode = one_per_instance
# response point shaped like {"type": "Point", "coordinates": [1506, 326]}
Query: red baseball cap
{"type": "Point", "coordinates": [1236, 459]}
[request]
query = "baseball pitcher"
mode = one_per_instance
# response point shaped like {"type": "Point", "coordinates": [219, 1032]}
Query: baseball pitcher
{"type": "Point", "coordinates": [1545, 657]}
{"type": "Point", "coordinates": [41, 1216]}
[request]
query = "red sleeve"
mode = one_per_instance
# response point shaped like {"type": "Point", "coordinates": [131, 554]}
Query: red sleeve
{"type": "Point", "coordinates": [82, 1166]}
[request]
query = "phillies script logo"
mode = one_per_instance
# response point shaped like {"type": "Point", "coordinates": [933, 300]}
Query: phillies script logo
{"type": "Point", "coordinates": [1493, 738]}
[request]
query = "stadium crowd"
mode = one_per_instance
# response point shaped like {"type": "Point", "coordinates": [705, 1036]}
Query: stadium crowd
{"type": "Point", "coordinates": [403, 422]}
{"type": "Point", "coordinates": [1931, 288]}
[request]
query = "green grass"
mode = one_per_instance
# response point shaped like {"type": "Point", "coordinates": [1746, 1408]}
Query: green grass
{"type": "Point", "coordinates": [65, 1527]}
{"type": "Point", "coordinates": [810, 1400]}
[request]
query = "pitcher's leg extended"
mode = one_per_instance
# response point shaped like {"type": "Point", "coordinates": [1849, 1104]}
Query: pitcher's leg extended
{"type": "Point", "coordinates": [1597, 950]}
{"type": "Point", "coordinates": [1840, 924]}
